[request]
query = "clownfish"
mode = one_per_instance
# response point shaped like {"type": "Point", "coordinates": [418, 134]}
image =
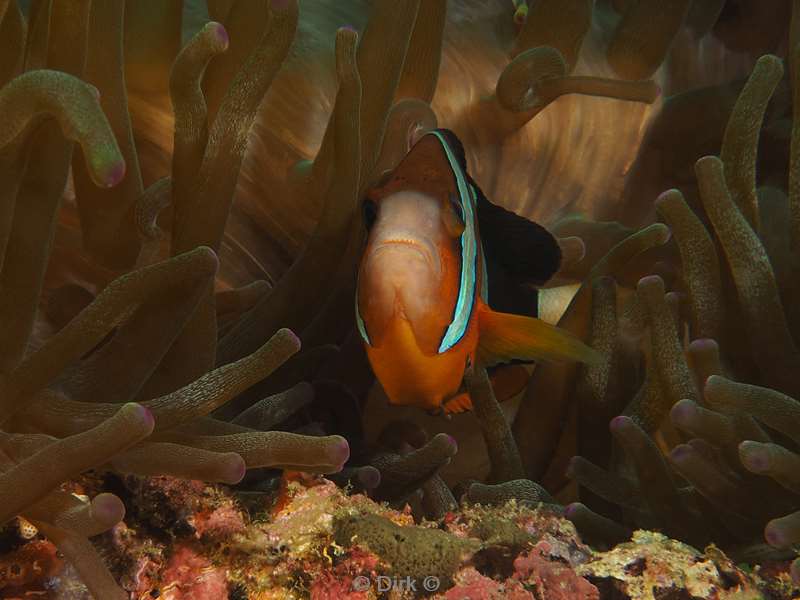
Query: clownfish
{"type": "Point", "coordinates": [520, 12]}
{"type": "Point", "coordinates": [446, 281]}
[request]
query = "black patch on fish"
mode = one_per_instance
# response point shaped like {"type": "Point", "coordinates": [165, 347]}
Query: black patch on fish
{"type": "Point", "coordinates": [510, 294]}
{"type": "Point", "coordinates": [526, 250]}
{"type": "Point", "coordinates": [370, 210]}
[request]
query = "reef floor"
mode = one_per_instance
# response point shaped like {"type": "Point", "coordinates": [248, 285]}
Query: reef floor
{"type": "Point", "coordinates": [308, 538]}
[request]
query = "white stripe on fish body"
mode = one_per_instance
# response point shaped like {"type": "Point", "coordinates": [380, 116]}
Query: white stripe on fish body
{"type": "Point", "coordinates": [469, 253]}
{"type": "Point", "coordinates": [484, 272]}
{"type": "Point", "coordinates": [362, 328]}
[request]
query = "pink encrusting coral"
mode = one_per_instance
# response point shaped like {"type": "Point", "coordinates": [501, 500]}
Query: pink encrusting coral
{"type": "Point", "coordinates": [550, 578]}
{"type": "Point", "coordinates": [218, 523]}
{"type": "Point", "coordinates": [469, 583]}
{"type": "Point", "coordinates": [23, 571]}
{"type": "Point", "coordinates": [190, 576]}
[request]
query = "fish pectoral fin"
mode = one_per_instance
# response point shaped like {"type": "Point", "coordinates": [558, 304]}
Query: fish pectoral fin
{"type": "Point", "coordinates": [507, 381]}
{"type": "Point", "coordinates": [504, 337]}
{"type": "Point", "coordinates": [459, 403]}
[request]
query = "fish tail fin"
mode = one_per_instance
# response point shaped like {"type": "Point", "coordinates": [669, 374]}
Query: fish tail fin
{"type": "Point", "coordinates": [505, 337]}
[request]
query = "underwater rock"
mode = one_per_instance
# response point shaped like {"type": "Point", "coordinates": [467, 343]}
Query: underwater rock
{"type": "Point", "coordinates": [552, 579]}
{"type": "Point", "coordinates": [190, 576]}
{"type": "Point", "coordinates": [31, 564]}
{"type": "Point", "coordinates": [414, 552]}
{"type": "Point", "coordinates": [652, 567]}
{"type": "Point", "coordinates": [178, 506]}
{"type": "Point", "coordinates": [469, 583]}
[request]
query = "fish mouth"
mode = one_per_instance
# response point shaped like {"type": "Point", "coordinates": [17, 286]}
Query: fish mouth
{"type": "Point", "coordinates": [421, 247]}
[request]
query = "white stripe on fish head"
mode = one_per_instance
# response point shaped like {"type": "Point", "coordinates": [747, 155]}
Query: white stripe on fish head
{"type": "Point", "coordinates": [465, 301]}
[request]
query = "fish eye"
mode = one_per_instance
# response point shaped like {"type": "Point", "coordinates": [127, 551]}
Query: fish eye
{"type": "Point", "coordinates": [455, 203]}
{"type": "Point", "coordinates": [370, 210]}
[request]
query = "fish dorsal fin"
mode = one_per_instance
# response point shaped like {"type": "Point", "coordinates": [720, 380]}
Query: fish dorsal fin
{"type": "Point", "coordinates": [455, 146]}
{"type": "Point", "coordinates": [525, 249]}
{"type": "Point", "coordinates": [504, 337]}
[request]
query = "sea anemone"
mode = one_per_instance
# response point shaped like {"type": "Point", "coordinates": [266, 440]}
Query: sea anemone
{"type": "Point", "coordinates": [721, 363]}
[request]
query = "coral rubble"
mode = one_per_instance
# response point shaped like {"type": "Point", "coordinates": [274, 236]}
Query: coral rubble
{"type": "Point", "coordinates": [318, 542]}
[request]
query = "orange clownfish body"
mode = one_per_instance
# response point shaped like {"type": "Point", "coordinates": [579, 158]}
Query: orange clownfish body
{"type": "Point", "coordinates": [422, 304]}
{"type": "Point", "coordinates": [520, 12]}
